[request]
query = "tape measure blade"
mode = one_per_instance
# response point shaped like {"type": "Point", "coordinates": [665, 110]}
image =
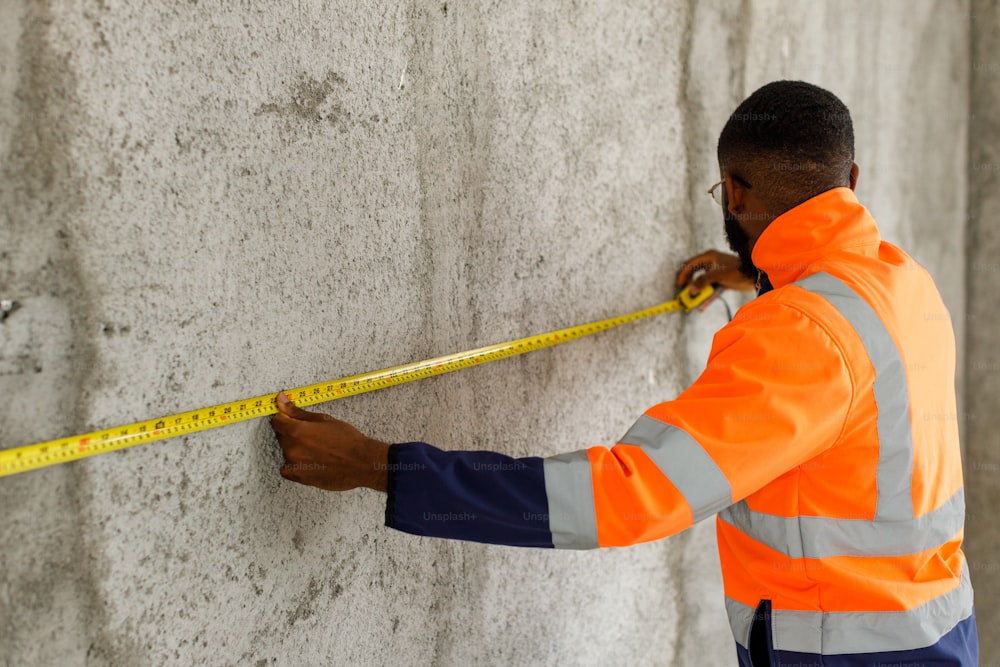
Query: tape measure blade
{"type": "Point", "coordinates": [353, 385]}
{"type": "Point", "coordinates": [43, 454]}
{"type": "Point", "coordinates": [74, 448]}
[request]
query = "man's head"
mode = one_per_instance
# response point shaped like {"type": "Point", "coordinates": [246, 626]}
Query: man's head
{"type": "Point", "coordinates": [786, 143]}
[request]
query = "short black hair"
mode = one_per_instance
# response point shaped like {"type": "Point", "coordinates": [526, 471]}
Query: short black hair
{"type": "Point", "coordinates": [791, 141]}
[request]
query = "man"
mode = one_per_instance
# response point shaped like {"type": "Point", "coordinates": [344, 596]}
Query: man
{"type": "Point", "coordinates": [811, 432]}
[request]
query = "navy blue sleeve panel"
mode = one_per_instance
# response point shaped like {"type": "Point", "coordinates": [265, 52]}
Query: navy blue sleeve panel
{"type": "Point", "coordinates": [476, 496]}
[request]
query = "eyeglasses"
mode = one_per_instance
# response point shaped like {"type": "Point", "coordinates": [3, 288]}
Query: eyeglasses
{"type": "Point", "coordinates": [717, 192]}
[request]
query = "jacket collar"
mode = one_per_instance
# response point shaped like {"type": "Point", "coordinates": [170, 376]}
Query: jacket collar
{"type": "Point", "coordinates": [799, 237]}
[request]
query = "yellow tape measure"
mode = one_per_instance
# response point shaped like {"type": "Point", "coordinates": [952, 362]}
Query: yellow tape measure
{"type": "Point", "coordinates": [42, 454]}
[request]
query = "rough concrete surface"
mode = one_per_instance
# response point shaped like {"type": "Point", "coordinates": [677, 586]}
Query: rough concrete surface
{"type": "Point", "coordinates": [204, 201]}
{"type": "Point", "coordinates": [982, 464]}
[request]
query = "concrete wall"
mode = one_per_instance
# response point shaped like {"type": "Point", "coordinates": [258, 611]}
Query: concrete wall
{"type": "Point", "coordinates": [982, 467]}
{"type": "Point", "coordinates": [210, 200]}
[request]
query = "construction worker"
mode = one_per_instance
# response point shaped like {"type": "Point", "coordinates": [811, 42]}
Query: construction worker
{"type": "Point", "coordinates": [822, 431]}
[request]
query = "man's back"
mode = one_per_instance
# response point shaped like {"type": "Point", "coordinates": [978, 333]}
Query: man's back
{"type": "Point", "coordinates": [855, 549]}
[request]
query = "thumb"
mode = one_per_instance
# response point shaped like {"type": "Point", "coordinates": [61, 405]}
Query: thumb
{"type": "Point", "coordinates": [697, 284]}
{"type": "Point", "coordinates": [289, 409]}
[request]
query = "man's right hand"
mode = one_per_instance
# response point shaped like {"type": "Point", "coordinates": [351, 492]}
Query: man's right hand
{"type": "Point", "coordinates": [717, 268]}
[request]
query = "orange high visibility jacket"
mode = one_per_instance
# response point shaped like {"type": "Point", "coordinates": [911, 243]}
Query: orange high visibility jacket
{"type": "Point", "coordinates": [824, 432]}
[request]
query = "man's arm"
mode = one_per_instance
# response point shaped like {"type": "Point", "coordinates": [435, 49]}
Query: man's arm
{"type": "Point", "coordinates": [469, 495]}
{"type": "Point", "coordinates": [749, 418]}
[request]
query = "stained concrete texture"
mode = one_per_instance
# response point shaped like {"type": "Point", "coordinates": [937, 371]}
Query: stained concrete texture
{"type": "Point", "coordinates": [982, 464]}
{"type": "Point", "coordinates": [205, 201]}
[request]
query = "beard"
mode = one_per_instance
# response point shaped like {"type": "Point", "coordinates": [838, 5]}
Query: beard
{"type": "Point", "coordinates": [739, 242]}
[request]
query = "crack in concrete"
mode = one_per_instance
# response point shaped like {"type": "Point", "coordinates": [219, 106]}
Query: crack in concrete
{"type": "Point", "coordinates": [739, 48]}
{"type": "Point", "coordinates": [675, 550]}
{"type": "Point", "coordinates": [42, 199]}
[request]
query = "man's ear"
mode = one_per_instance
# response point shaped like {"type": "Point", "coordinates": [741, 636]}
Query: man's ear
{"type": "Point", "coordinates": [854, 176]}
{"type": "Point", "coordinates": [736, 194]}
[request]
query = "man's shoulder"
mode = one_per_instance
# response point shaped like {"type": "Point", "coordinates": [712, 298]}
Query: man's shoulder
{"type": "Point", "coordinates": [776, 301]}
{"type": "Point", "coordinates": [793, 320]}
{"type": "Point", "coordinates": [789, 314]}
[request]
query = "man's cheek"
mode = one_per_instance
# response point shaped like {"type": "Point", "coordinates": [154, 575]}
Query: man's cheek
{"type": "Point", "coordinates": [738, 240]}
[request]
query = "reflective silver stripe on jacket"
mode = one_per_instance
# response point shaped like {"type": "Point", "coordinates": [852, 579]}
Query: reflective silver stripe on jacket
{"type": "Point", "coordinates": [894, 530]}
{"type": "Point", "coordinates": [892, 397]}
{"type": "Point", "coordinates": [570, 490]}
{"type": "Point", "coordinates": [685, 463]}
{"type": "Point", "coordinates": [832, 633]}
{"type": "Point", "coordinates": [825, 537]}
